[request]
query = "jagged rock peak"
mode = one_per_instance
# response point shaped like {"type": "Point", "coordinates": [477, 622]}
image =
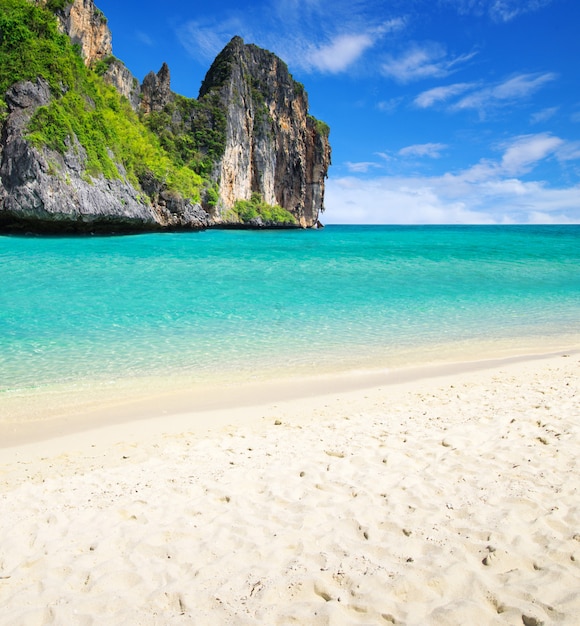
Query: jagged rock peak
{"type": "Point", "coordinates": [273, 146]}
{"type": "Point", "coordinates": [156, 90]}
{"type": "Point", "coordinates": [248, 56]}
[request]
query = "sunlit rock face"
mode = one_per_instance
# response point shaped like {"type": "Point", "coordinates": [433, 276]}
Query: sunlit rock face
{"type": "Point", "coordinates": [272, 146]}
{"type": "Point", "coordinates": [86, 25]}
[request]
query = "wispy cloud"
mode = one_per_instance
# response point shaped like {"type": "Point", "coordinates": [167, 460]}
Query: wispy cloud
{"type": "Point", "coordinates": [526, 151]}
{"type": "Point", "coordinates": [441, 94]}
{"type": "Point", "coordinates": [340, 51]}
{"type": "Point", "coordinates": [511, 90]}
{"type": "Point", "coordinates": [361, 167]}
{"type": "Point", "coordinates": [498, 10]}
{"type": "Point", "coordinates": [490, 191]}
{"type": "Point", "coordinates": [570, 151]}
{"type": "Point", "coordinates": [205, 38]}
{"type": "Point", "coordinates": [389, 106]}
{"type": "Point", "coordinates": [308, 34]}
{"type": "Point", "coordinates": [420, 61]}
{"type": "Point", "coordinates": [544, 115]}
{"type": "Point", "coordinates": [338, 54]}
{"type": "Point", "coordinates": [144, 38]}
{"type": "Point", "coordinates": [484, 97]}
{"type": "Point", "coordinates": [507, 10]}
{"type": "Point", "coordinates": [431, 150]}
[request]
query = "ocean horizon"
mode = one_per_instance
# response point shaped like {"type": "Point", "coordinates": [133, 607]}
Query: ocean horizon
{"type": "Point", "coordinates": [250, 305]}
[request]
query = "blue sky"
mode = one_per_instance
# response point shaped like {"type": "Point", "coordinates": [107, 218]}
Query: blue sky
{"type": "Point", "coordinates": [441, 111]}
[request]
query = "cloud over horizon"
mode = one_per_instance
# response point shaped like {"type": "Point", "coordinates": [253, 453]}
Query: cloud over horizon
{"type": "Point", "coordinates": [488, 192]}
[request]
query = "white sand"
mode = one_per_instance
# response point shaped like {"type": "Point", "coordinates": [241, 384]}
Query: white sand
{"type": "Point", "coordinates": [451, 500]}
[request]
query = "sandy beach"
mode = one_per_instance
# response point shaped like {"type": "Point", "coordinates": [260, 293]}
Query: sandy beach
{"type": "Point", "coordinates": [450, 499]}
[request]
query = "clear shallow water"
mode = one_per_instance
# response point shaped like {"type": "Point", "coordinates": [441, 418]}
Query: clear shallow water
{"type": "Point", "coordinates": [229, 304]}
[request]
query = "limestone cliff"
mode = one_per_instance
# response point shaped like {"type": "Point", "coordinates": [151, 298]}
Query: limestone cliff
{"type": "Point", "coordinates": [272, 146]}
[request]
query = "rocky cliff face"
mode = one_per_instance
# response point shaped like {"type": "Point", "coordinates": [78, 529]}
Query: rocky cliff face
{"type": "Point", "coordinates": [87, 26]}
{"type": "Point", "coordinates": [272, 147]}
{"type": "Point", "coordinates": [42, 190]}
{"type": "Point", "coordinates": [124, 82]}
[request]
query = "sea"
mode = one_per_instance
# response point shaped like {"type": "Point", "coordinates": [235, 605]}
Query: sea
{"type": "Point", "coordinates": [226, 305]}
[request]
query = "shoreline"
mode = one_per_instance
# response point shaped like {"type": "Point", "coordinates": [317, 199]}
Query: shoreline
{"type": "Point", "coordinates": [449, 499]}
{"type": "Point", "coordinates": [213, 409]}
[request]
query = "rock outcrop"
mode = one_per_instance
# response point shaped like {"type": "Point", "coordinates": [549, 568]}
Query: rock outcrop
{"type": "Point", "coordinates": [45, 191]}
{"type": "Point", "coordinates": [124, 82]}
{"type": "Point", "coordinates": [272, 147]}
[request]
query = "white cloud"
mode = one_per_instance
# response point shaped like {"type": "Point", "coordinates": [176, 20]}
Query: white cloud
{"type": "Point", "coordinates": [428, 60]}
{"type": "Point", "coordinates": [340, 53]}
{"type": "Point", "coordinates": [432, 150]}
{"type": "Point", "coordinates": [487, 192]}
{"type": "Point", "coordinates": [526, 151]}
{"type": "Point", "coordinates": [346, 48]}
{"type": "Point", "coordinates": [389, 200]}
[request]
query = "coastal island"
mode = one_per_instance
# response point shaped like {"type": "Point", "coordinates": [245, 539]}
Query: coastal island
{"type": "Point", "coordinates": [85, 148]}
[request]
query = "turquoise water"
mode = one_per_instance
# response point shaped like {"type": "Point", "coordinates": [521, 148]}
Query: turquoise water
{"type": "Point", "coordinates": [245, 303]}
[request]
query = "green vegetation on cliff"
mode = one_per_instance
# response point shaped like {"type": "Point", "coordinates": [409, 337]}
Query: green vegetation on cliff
{"type": "Point", "coordinates": [256, 208]}
{"type": "Point", "coordinates": [193, 132]}
{"type": "Point", "coordinates": [322, 128]}
{"type": "Point", "coordinates": [32, 46]}
{"type": "Point", "coordinates": [82, 104]}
